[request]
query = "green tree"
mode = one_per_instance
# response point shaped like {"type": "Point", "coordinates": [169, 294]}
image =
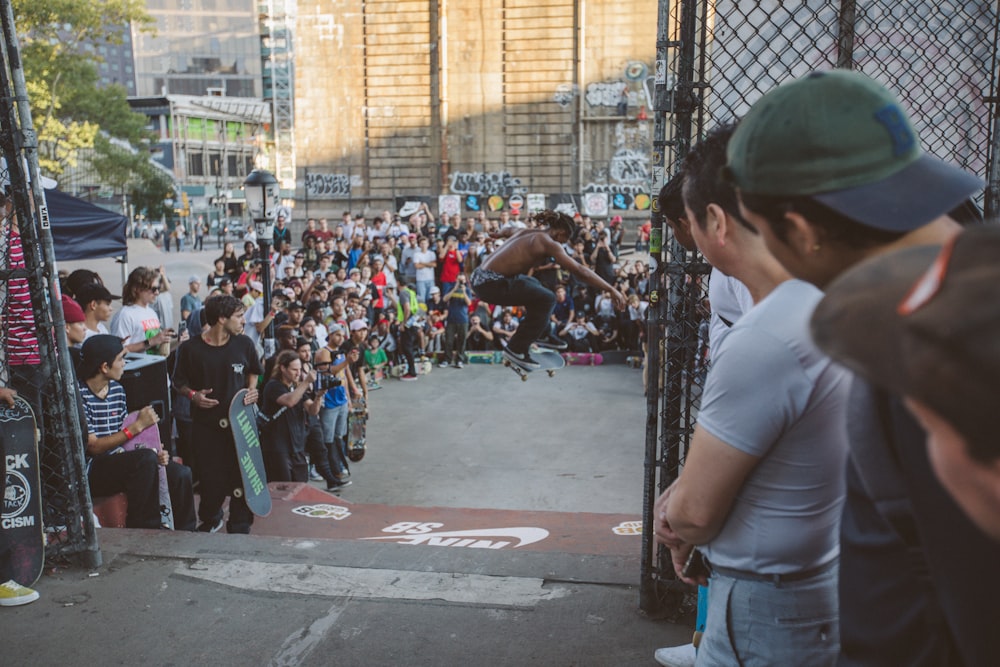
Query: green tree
{"type": "Point", "coordinates": [69, 109]}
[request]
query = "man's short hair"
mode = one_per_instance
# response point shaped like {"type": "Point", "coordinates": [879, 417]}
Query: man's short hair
{"type": "Point", "coordinates": [703, 184]}
{"type": "Point", "coordinates": [670, 201]}
{"type": "Point", "coordinates": [218, 307]}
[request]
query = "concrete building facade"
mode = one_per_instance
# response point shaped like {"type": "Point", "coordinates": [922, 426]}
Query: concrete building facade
{"type": "Point", "coordinates": [481, 99]}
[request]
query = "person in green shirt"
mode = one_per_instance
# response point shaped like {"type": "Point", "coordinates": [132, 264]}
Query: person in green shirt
{"type": "Point", "coordinates": [376, 360]}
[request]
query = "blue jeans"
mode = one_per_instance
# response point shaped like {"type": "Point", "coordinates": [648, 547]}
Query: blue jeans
{"type": "Point", "coordinates": [424, 290]}
{"type": "Point", "coordinates": [525, 291]}
{"type": "Point", "coordinates": [761, 623]}
{"type": "Point", "coordinates": [334, 422]}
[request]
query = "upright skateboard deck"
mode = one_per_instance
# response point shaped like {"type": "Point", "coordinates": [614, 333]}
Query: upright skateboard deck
{"type": "Point", "coordinates": [21, 519]}
{"type": "Point", "coordinates": [243, 422]}
{"type": "Point", "coordinates": [357, 427]}
{"type": "Point", "coordinates": [549, 361]}
{"type": "Point", "coordinates": [150, 439]}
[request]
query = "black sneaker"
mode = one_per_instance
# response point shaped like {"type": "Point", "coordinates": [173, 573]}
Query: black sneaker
{"type": "Point", "coordinates": [550, 343]}
{"type": "Point", "coordinates": [209, 528]}
{"type": "Point", "coordinates": [523, 360]}
{"type": "Point", "coordinates": [333, 488]}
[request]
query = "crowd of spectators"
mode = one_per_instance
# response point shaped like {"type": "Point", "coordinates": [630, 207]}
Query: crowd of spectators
{"type": "Point", "coordinates": [351, 304]}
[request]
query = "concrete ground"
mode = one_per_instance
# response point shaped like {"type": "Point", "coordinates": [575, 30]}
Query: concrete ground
{"type": "Point", "coordinates": [492, 522]}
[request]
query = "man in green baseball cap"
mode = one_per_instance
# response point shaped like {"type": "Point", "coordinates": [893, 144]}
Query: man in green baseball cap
{"type": "Point", "coordinates": [830, 171]}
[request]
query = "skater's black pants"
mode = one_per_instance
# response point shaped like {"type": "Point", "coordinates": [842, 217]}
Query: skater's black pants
{"type": "Point", "coordinates": [524, 291]}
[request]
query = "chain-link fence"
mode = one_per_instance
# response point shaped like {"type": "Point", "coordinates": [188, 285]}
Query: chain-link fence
{"type": "Point", "coordinates": [34, 353]}
{"type": "Point", "coordinates": [715, 59]}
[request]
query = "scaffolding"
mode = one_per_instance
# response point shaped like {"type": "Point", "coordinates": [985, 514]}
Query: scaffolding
{"type": "Point", "coordinates": [277, 26]}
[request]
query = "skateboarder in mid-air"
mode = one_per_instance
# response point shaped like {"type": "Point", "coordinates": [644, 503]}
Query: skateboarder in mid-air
{"type": "Point", "coordinates": [503, 280]}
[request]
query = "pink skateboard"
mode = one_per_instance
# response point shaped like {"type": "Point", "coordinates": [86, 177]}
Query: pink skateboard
{"type": "Point", "coordinates": [150, 439]}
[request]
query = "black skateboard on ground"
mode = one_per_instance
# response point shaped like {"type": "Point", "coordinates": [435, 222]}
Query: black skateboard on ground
{"type": "Point", "coordinates": [243, 422]}
{"type": "Point", "coordinates": [21, 519]}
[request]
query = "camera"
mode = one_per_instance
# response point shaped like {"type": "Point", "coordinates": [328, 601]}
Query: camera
{"type": "Point", "coordinates": [325, 382]}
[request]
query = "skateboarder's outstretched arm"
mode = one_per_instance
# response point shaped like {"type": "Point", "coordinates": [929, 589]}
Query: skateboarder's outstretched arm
{"type": "Point", "coordinates": [583, 273]}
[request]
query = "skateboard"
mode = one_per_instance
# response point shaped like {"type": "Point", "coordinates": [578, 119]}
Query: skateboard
{"type": "Point", "coordinates": [243, 422]}
{"type": "Point", "coordinates": [150, 439]}
{"type": "Point", "coordinates": [357, 422]}
{"type": "Point", "coordinates": [484, 357]}
{"type": "Point", "coordinates": [21, 519]}
{"type": "Point", "coordinates": [549, 360]}
{"type": "Point", "coordinates": [583, 358]}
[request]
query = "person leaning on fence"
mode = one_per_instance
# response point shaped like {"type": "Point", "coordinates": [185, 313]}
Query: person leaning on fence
{"type": "Point", "coordinates": [285, 402]}
{"type": "Point", "coordinates": [762, 485]}
{"type": "Point", "coordinates": [830, 171]}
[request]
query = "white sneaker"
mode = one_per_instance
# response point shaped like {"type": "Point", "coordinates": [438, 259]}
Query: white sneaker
{"type": "Point", "coordinates": [13, 594]}
{"type": "Point", "coordinates": [676, 656]}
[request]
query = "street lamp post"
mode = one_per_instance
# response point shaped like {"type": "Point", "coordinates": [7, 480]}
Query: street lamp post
{"type": "Point", "coordinates": [261, 191]}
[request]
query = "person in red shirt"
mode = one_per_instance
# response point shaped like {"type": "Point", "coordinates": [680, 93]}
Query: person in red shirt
{"type": "Point", "coordinates": [451, 263]}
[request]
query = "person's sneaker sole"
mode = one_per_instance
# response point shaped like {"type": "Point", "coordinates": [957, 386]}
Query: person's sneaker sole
{"type": "Point", "coordinates": [515, 359]}
{"type": "Point", "coordinates": [22, 595]}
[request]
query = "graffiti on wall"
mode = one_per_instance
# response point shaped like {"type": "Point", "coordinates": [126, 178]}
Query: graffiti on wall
{"type": "Point", "coordinates": [331, 186]}
{"type": "Point", "coordinates": [565, 92]}
{"type": "Point", "coordinates": [606, 93]}
{"type": "Point", "coordinates": [500, 183]}
{"type": "Point", "coordinates": [629, 166]}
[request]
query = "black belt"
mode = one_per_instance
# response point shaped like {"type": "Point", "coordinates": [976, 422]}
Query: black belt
{"type": "Point", "coordinates": [775, 579]}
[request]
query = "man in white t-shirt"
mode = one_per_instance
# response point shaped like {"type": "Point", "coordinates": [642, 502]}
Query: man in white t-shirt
{"type": "Point", "coordinates": [424, 259]}
{"type": "Point", "coordinates": [137, 323]}
{"type": "Point", "coordinates": [95, 300]}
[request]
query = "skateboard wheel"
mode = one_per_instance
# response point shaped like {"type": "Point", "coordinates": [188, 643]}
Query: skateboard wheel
{"type": "Point", "coordinates": [223, 423]}
{"type": "Point", "coordinates": [237, 493]}
{"type": "Point", "coordinates": [551, 373]}
{"type": "Point", "coordinates": [524, 378]}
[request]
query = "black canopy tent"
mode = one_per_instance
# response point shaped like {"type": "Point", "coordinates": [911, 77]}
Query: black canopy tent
{"type": "Point", "coordinates": [81, 230]}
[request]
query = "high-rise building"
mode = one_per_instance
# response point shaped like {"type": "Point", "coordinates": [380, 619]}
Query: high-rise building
{"type": "Point", "coordinates": [200, 47]}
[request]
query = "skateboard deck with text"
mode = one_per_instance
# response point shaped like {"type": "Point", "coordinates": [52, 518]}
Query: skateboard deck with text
{"type": "Point", "coordinates": [21, 518]}
{"type": "Point", "coordinates": [243, 422]}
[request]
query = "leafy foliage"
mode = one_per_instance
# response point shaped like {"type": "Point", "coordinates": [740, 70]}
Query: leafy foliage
{"type": "Point", "coordinates": [69, 109]}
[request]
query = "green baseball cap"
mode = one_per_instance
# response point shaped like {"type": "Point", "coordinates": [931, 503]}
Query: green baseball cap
{"type": "Point", "coordinates": [843, 139]}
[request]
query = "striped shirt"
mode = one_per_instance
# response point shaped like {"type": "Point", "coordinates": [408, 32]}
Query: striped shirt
{"type": "Point", "coordinates": [20, 344]}
{"type": "Point", "coordinates": [104, 415]}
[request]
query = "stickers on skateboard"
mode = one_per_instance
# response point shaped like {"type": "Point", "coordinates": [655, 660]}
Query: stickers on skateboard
{"type": "Point", "coordinates": [357, 423]}
{"type": "Point", "coordinates": [21, 518]}
{"type": "Point", "coordinates": [243, 422]}
{"type": "Point", "coordinates": [150, 439]}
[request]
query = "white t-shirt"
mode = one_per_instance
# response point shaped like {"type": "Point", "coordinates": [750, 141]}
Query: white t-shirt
{"type": "Point", "coordinates": [101, 329]}
{"type": "Point", "coordinates": [421, 257]}
{"type": "Point", "coordinates": [772, 394]}
{"type": "Point", "coordinates": [729, 299]}
{"type": "Point", "coordinates": [135, 322]}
